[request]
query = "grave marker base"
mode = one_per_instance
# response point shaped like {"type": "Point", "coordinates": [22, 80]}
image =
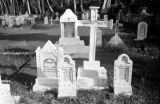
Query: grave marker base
{"type": "Point", "coordinates": [119, 89]}
{"type": "Point", "coordinates": [67, 92]}
{"type": "Point", "coordinates": [44, 84]}
{"type": "Point", "coordinates": [92, 76]}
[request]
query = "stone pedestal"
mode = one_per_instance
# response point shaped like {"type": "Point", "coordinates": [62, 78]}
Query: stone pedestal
{"type": "Point", "coordinates": [92, 76]}
{"type": "Point", "coordinates": [44, 84]}
{"type": "Point", "coordinates": [120, 89]}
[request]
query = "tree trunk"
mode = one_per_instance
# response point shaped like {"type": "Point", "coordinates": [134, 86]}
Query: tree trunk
{"type": "Point", "coordinates": [29, 10]}
{"type": "Point", "coordinates": [43, 11]}
{"type": "Point", "coordinates": [104, 5]}
{"type": "Point", "coordinates": [81, 4]}
{"type": "Point", "coordinates": [39, 5]}
{"type": "Point", "coordinates": [50, 7]}
{"type": "Point", "coordinates": [75, 7]}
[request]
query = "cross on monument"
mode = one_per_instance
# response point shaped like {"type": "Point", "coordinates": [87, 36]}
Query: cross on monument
{"type": "Point", "coordinates": [93, 24]}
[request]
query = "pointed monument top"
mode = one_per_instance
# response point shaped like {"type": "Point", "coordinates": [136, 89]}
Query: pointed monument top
{"type": "Point", "coordinates": [68, 16]}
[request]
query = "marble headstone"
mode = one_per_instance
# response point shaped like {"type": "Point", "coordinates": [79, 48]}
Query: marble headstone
{"type": "Point", "coordinates": [66, 77]}
{"type": "Point", "coordinates": [46, 20]}
{"type": "Point", "coordinates": [47, 59]}
{"type": "Point", "coordinates": [122, 75]}
{"type": "Point", "coordinates": [5, 94]}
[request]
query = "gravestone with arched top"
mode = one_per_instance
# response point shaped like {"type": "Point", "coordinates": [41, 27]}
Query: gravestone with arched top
{"type": "Point", "coordinates": [122, 75]}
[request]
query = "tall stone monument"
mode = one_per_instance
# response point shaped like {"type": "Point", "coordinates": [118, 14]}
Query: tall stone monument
{"type": "Point", "coordinates": [69, 39]}
{"type": "Point", "coordinates": [92, 75]}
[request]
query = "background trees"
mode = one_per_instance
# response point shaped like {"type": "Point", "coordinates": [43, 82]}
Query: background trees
{"type": "Point", "coordinates": [15, 7]}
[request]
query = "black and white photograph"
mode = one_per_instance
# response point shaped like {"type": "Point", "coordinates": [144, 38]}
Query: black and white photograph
{"type": "Point", "coordinates": [79, 51]}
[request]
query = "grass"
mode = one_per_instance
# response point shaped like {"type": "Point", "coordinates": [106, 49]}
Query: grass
{"type": "Point", "coordinates": [145, 78]}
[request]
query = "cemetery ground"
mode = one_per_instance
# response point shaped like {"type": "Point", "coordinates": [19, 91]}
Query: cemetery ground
{"type": "Point", "coordinates": [18, 65]}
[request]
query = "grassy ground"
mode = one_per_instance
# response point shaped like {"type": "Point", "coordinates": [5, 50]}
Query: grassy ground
{"type": "Point", "coordinates": [145, 79]}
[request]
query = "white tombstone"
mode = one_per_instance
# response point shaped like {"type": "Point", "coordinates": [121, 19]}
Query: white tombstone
{"type": "Point", "coordinates": [67, 77]}
{"type": "Point", "coordinates": [110, 24]}
{"type": "Point", "coordinates": [5, 95]}
{"type": "Point", "coordinates": [142, 31]}
{"type": "Point", "coordinates": [122, 75]}
{"type": "Point", "coordinates": [33, 20]}
{"type": "Point", "coordinates": [69, 39]}
{"type": "Point", "coordinates": [10, 21]}
{"type": "Point", "coordinates": [116, 41]}
{"type": "Point", "coordinates": [46, 20]}
{"type": "Point", "coordinates": [99, 37]}
{"type": "Point", "coordinates": [47, 59]}
{"type": "Point", "coordinates": [105, 17]}
{"type": "Point", "coordinates": [51, 21]}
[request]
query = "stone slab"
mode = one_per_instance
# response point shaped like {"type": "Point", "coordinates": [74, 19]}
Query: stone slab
{"type": "Point", "coordinates": [75, 51]}
{"type": "Point", "coordinates": [70, 41]}
{"type": "Point", "coordinates": [120, 89]}
{"type": "Point", "coordinates": [92, 79]}
{"type": "Point", "coordinates": [91, 65]}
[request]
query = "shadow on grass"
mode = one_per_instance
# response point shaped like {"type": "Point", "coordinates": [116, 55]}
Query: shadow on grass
{"type": "Point", "coordinates": [30, 37]}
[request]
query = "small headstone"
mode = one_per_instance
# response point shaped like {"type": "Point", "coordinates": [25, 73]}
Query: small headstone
{"type": "Point", "coordinates": [110, 24]}
{"type": "Point", "coordinates": [99, 37]}
{"type": "Point", "coordinates": [3, 22]}
{"type": "Point", "coordinates": [51, 21]}
{"type": "Point", "coordinates": [10, 22]}
{"type": "Point", "coordinates": [57, 16]}
{"type": "Point", "coordinates": [66, 77]}
{"type": "Point", "coordinates": [45, 20]}
{"type": "Point", "coordinates": [106, 18]}
{"type": "Point", "coordinates": [123, 75]}
{"type": "Point", "coordinates": [47, 59]}
{"type": "Point", "coordinates": [142, 31]}
{"type": "Point", "coordinates": [33, 20]}
{"type": "Point", "coordinates": [85, 15]}
{"type": "Point", "coordinates": [5, 95]}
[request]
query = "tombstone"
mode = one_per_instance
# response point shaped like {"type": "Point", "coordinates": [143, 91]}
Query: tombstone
{"type": "Point", "coordinates": [33, 20]}
{"type": "Point", "coordinates": [5, 95]}
{"type": "Point", "coordinates": [51, 21]}
{"type": "Point", "coordinates": [85, 15]}
{"type": "Point", "coordinates": [110, 24]}
{"type": "Point", "coordinates": [10, 21]}
{"type": "Point", "coordinates": [66, 77]}
{"type": "Point", "coordinates": [105, 17]}
{"type": "Point", "coordinates": [142, 31]}
{"type": "Point", "coordinates": [46, 20]}
{"type": "Point", "coordinates": [69, 39]}
{"type": "Point", "coordinates": [99, 37]}
{"type": "Point", "coordinates": [116, 41]}
{"type": "Point", "coordinates": [92, 75]}
{"type": "Point", "coordinates": [122, 75]}
{"type": "Point", "coordinates": [47, 59]}
{"type": "Point", "coordinates": [3, 22]}
{"type": "Point", "coordinates": [57, 16]}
